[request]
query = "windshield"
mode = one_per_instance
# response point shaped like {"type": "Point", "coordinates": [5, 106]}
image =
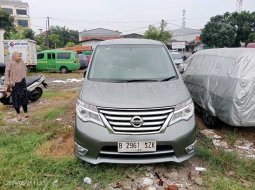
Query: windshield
{"type": "Point", "coordinates": [131, 62]}
{"type": "Point", "coordinates": [176, 56]}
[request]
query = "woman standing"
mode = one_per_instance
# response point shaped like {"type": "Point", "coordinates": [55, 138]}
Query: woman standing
{"type": "Point", "coordinates": [15, 74]}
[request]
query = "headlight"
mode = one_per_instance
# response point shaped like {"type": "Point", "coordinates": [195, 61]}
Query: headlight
{"type": "Point", "coordinates": [88, 112]}
{"type": "Point", "coordinates": [183, 111]}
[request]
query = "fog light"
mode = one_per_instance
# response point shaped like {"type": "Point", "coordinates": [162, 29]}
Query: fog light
{"type": "Point", "coordinates": [191, 148]}
{"type": "Point", "coordinates": [80, 150]}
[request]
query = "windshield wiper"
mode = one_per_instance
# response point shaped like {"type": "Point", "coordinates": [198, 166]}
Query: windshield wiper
{"type": "Point", "coordinates": [141, 80]}
{"type": "Point", "coordinates": [167, 79]}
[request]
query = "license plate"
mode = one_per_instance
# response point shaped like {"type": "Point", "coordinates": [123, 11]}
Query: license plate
{"type": "Point", "coordinates": [149, 146]}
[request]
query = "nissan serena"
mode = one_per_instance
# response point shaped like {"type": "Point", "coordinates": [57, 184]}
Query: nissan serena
{"type": "Point", "coordinates": [133, 106]}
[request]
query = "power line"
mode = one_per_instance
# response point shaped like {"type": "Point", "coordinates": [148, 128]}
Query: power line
{"type": "Point", "coordinates": [141, 27]}
{"type": "Point", "coordinates": [72, 23]}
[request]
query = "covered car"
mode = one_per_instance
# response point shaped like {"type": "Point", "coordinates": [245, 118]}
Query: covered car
{"type": "Point", "coordinates": [222, 83]}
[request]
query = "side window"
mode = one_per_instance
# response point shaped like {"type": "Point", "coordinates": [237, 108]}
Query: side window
{"type": "Point", "coordinates": [63, 55]}
{"type": "Point", "coordinates": [40, 56]}
{"type": "Point", "coordinates": [51, 55]}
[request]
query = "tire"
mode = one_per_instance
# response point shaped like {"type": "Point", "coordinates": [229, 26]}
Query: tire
{"type": "Point", "coordinates": [209, 120]}
{"type": "Point", "coordinates": [63, 70]}
{"type": "Point", "coordinates": [35, 94]}
{"type": "Point", "coordinates": [6, 101]}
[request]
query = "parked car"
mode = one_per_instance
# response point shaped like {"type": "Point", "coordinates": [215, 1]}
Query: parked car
{"type": "Point", "coordinates": [134, 106]}
{"type": "Point", "coordinates": [83, 61]}
{"type": "Point", "coordinates": [178, 60]}
{"type": "Point", "coordinates": [251, 45]}
{"type": "Point", "coordinates": [222, 84]}
{"type": "Point", "coordinates": [57, 60]}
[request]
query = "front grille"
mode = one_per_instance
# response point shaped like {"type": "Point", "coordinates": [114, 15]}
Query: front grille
{"type": "Point", "coordinates": [119, 120]}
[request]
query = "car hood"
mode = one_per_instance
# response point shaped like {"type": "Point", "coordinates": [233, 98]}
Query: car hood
{"type": "Point", "coordinates": [134, 95]}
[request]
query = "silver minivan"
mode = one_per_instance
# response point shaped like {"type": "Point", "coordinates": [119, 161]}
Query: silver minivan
{"type": "Point", "coordinates": [133, 106]}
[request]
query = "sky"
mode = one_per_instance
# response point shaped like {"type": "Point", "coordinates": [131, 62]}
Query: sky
{"type": "Point", "coordinates": [128, 16]}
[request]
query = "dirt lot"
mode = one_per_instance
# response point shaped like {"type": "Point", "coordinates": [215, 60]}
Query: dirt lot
{"type": "Point", "coordinates": [225, 156]}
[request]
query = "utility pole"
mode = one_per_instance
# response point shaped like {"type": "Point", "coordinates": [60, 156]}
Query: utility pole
{"type": "Point", "coordinates": [47, 31]}
{"type": "Point", "coordinates": [239, 5]}
{"type": "Point", "coordinates": [183, 18]}
{"type": "Point", "coordinates": [48, 21]}
{"type": "Point", "coordinates": [162, 25]}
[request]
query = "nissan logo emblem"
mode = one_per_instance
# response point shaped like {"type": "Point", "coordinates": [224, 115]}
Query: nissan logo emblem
{"type": "Point", "coordinates": [136, 121]}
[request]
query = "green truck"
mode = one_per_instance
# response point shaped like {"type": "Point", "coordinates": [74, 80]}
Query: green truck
{"type": "Point", "coordinates": [57, 60]}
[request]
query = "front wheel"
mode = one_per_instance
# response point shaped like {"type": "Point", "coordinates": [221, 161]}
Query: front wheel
{"type": "Point", "coordinates": [63, 70]}
{"type": "Point", "coordinates": [209, 120]}
{"type": "Point", "coordinates": [35, 94]}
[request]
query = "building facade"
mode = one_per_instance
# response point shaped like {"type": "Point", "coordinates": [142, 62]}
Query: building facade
{"type": "Point", "coordinates": [19, 10]}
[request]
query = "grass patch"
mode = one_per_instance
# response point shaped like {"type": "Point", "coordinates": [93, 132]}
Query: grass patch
{"type": "Point", "coordinates": [1, 115]}
{"type": "Point", "coordinates": [58, 94]}
{"type": "Point", "coordinates": [220, 163]}
{"type": "Point", "coordinates": [54, 114]}
{"type": "Point", "coordinates": [231, 138]}
{"type": "Point", "coordinates": [49, 114]}
{"type": "Point", "coordinates": [1, 119]}
{"type": "Point", "coordinates": [22, 168]}
{"type": "Point", "coordinates": [57, 75]}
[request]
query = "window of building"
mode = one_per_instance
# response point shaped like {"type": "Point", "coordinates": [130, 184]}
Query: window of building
{"type": "Point", "coordinates": [8, 10]}
{"type": "Point", "coordinates": [23, 23]}
{"type": "Point", "coordinates": [21, 11]}
{"type": "Point", "coordinates": [63, 55]}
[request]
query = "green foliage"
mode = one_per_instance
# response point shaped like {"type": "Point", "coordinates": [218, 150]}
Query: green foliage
{"type": "Point", "coordinates": [14, 35]}
{"type": "Point", "coordinates": [6, 22]}
{"type": "Point", "coordinates": [160, 34]}
{"type": "Point", "coordinates": [70, 44]}
{"type": "Point", "coordinates": [58, 37]}
{"type": "Point", "coordinates": [65, 35]}
{"type": "Point", "coordinates": [229, 30]}
{"type": "Point", "coordinates": [29, 34]}
{"type": "Point", "coordinates": [54, 40]}
{"type": "Point", "coordinates": [19, 33]}
{"type": "Point", "coordinates": [251, 37]}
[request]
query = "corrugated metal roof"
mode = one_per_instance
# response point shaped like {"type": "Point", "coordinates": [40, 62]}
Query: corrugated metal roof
{"type": "Point", "coordinates": [100, 32]}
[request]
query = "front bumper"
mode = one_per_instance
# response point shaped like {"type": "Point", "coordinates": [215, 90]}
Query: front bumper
{"type": "Point", "coordinates": [95, 144]}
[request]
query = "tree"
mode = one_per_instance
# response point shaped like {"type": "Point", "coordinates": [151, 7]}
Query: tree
{"type": "Point", "coordinates": [229, 29]}
{"type": "Point", "coordinates": [19, 33]}
{"type": "Point", "coordinates": [54, 40]}
{"type": "Point", "coordinates": [244, 24]}
{"type": "Point", "coordinates": [14, 35]}
{"type": "Point", "coordinates": [70, 44]}
{"type": "Point", "coordinates": [40, 39]}
{"type": "Point", "coordinates": [29, 34]}
{"type": "Point", "coordinates": [251, 37]}
{"type": "Point", "coordinates": [160, 34]}
{"type": "Point", "coordinates": [65, 35]}
{"type": "Point", "coordinates": [218, 32]}
{"type": "Point", "coordinates": [6, 22]}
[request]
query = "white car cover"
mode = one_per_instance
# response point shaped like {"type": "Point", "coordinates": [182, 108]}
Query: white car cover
{"type": "Point", "coordinates": [222, 81]}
